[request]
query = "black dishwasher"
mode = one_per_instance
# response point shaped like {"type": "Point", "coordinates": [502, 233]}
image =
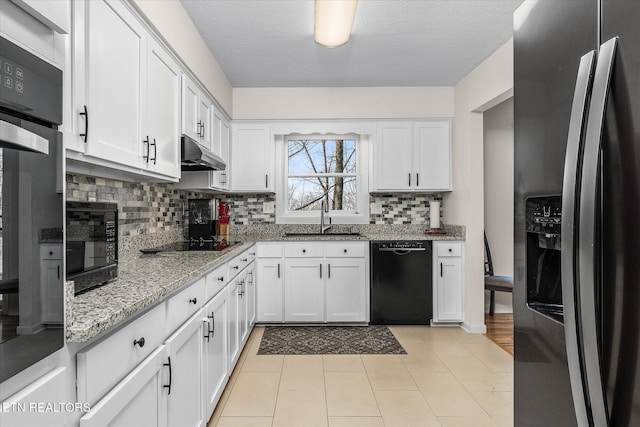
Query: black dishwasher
{"type": "Point", "coordinates": [401, 282]}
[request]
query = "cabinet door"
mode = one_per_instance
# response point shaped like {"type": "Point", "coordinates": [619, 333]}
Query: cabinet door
{"type": "Point", "coordinates": [216, 130]}
{"type": "Point", "coordinates": [204, 120]}
{"type": "Point", "coordinates": [449, 289]}
{"type": "Point", "coordinates": [432, 155]}
{"type": "Point", "coordinates": [190, 108]}
{"type": "Point", "coordinates": [270, 274]}
{"type": "Point", "coordinates": [250, 292]}
{"type": "Point", "coordinates": [233, 326]}
{"type": "Point", "coordinates": [138, 400]}
{"type": "Point", "coordinates": [243, 326]}
{"type": "Point", "coordinates": [115, 55]}
{"type": "Point", "coordinates": [220, 179]}
{"type": "Point", "coordinates": [161, 128]}
{"type": "Point", "coordinates": [184, 349]}
{"type": "Point", "coordinates": [251, 158]}
{"type": "Point", "coordinates": [51, 388]}
{"type": "Point", "coordinates": [215, 352]}
{"type": "Point", "coordinates": [304, 290]}
{"type": "Point", "coordinates": [346, 290]}
{"type": "Point", "coordinates": [393, 154]}
{"type": "Point", "coordinates": [52, 294]}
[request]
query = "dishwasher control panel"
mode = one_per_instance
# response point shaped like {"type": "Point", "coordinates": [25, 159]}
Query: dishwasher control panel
{"type": "Point", "coordinates": [417, 244]}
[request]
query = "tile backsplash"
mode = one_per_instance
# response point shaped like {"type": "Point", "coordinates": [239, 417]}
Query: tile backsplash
{"type": "Point", "coordinates": [157, 213]}
{"type": "Point", "coordinates": [400, 208]}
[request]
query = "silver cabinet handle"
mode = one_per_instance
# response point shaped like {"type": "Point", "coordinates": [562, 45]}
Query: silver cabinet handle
{"type": "Point", "coordinates": [321, 270]}
{"type": "Point", "coordinates": [329, 271]}
{"type": "Point", "coordinates": [572, 169]}
{"type": "Point", "coordinates": [417, 180]}
{"type": "Point", "coordinates": [278, 270]}
{"type": "Point", "coordinates": [587, 229]}
{"type": "Point", "coordinates": [266, 181]}
{"type": "Point", "coordinates": [409, 179]}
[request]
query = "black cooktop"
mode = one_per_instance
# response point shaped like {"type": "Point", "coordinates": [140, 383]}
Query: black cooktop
{"type": "Point", "coordinates": [191, 245]}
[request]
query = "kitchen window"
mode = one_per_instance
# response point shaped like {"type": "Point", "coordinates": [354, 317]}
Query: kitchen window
{"type": "Point", "coordinates": [321, 168]}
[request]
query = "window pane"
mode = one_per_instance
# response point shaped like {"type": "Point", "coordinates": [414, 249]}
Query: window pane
{"type": "Point", "coordinates": [322, 156]}
{"type": "Point", "coordinates": [306, 194]}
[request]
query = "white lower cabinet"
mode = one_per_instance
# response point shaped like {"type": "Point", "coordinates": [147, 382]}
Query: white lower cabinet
{"type": "Point", "coordinates": [448, 289]}
{"type": "Point", "coordinates": [233, 325]}
{"type": "Point", "coordinates": [184, 358]}
{"type": "Point", "coordinates": [303, 290]}
{"type": "Point", "coordinates": [49, 389]}
{"type": "Point", "coordinates": [215, 352]}
{"type": "Point", "coordinates": [312, 282]}
{"type": "Point", "coordinates": [138, 400]}
{"type": "Point", "coordinates": [136, 376]}
{"type": "Point", "coordinates": [346, 290]}
{"type": "Point", "coordinates": [51, 274]}
{"type": "Point", "coordinates": [270, 286]}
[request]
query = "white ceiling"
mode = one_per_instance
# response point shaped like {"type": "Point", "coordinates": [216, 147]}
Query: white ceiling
{"type": "Point", "coordinates": [269, 43]}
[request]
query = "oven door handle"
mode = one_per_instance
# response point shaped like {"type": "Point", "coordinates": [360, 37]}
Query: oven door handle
{"type": "Point", "coordinates": [13, 136]}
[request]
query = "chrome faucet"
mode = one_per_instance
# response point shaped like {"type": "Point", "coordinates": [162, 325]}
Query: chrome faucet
{"type": "Point", "coordinates": [324, 208]}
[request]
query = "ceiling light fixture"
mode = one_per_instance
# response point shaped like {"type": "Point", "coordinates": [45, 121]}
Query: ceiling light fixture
{"type": "Point", "coordinates": [334, 19]}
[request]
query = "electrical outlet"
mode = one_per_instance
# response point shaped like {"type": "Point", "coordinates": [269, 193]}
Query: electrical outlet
{"type": "Point", "coordinates": [268, 207]}
{"type": "Point", "coordinates": [376, 209]}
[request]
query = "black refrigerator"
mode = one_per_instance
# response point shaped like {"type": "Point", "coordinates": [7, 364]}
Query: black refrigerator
{"type": "Point", "coordinates": [577, 213]}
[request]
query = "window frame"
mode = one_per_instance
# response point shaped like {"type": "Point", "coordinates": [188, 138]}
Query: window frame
{"type": "Point", "coordinates": [286, 216]}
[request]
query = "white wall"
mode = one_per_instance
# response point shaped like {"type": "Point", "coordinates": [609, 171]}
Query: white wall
{"type": "Point", "coordinates": [170, 19]}
{"type": "Point", "coordinates": [498, 195]}
{"type": "Point", "coordinates": [342, 103]}
{"type": "Point", "coordinates": [486, 86]}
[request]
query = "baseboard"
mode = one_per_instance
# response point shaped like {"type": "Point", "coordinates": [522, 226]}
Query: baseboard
{"type": "Point", "coordinates": [474, 329]}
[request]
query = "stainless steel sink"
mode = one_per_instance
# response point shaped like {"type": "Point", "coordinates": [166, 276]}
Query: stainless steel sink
{"type": "Point", "coordinates": [338, 234]}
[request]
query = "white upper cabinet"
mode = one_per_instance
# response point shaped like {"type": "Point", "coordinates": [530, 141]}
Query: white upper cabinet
{"type": "Point", "coordinates": [123, 93]}
{"type": "Point", "coordinates": [432, 155]}
{"type": "Point", "coordinates": [161, 126]}
{"type": "Point", "coordinates": [190, 103]}
{"type": "Point", "coordinates": [252, 158]}
{"type": "Point", "coordinates": [115, 57]}
{"type": "Point", "coordinates": [412, 156]}
{"type": "Point", "coordinates": [196, 112]}
{"type": "Point", "coordinates": [393, 157]}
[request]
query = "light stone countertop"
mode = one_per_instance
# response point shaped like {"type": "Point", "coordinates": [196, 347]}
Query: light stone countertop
{"type": "Point", "coordinates": [146, 280]}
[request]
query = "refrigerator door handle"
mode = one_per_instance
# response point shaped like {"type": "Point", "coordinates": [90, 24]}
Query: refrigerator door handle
{"type": "Point", "coordinates": [588, 244]}
{"type": "Point", "coordinates": [570, 195]}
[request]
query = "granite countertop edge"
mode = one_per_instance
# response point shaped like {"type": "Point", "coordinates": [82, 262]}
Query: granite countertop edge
{"type": "Point", "coordinates": [136, 290]}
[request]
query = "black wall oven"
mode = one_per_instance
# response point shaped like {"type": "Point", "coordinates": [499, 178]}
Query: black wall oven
{"type": "Point", "coordinates": [31, 205]}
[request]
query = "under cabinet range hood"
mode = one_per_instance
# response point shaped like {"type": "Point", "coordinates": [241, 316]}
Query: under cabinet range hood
{"type": "Point", "coordinates": [195, 157]}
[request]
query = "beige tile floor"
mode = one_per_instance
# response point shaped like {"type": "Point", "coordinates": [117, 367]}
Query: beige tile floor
{"type": "Point", "coordinates": [447, 378]}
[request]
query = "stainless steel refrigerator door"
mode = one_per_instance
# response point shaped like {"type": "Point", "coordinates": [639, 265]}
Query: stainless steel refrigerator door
{"type": "Point", "coordinates": [549, 40]}
{"type": "Point", "coordinates": [619, 296]}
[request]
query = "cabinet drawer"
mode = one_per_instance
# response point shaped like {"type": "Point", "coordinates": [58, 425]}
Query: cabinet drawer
{"type": "Point", "coordinates": [269, 250]}
{"type": "Point", "coordinates": [237, 264]}
{"type": "Point", "coordinates": [216, 280]}
{"type": "Point", "coordinates": [51, 251]}
{"type": "Point", "coordinates": [345, 250]}
{"type": "Point", "coordinates": [184, 304]}
{"type": "Point", "coordinates": [449, 249]}
{"type": "Point", "coordinates": [303, 250]}
{"type": "Point", "coordinates": [104, 364]}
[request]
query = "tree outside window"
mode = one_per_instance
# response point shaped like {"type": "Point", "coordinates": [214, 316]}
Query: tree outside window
{"type": "Point", "coordinates": [322, 169]}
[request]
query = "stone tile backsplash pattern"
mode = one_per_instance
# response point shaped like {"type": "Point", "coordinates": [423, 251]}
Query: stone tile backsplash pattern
{"type": "Point", "coordinates": [151, 214]}
{"type": "Point", "coordinates": [401, 208]}
{"type": "Point", "coordinates": [246, 209]}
